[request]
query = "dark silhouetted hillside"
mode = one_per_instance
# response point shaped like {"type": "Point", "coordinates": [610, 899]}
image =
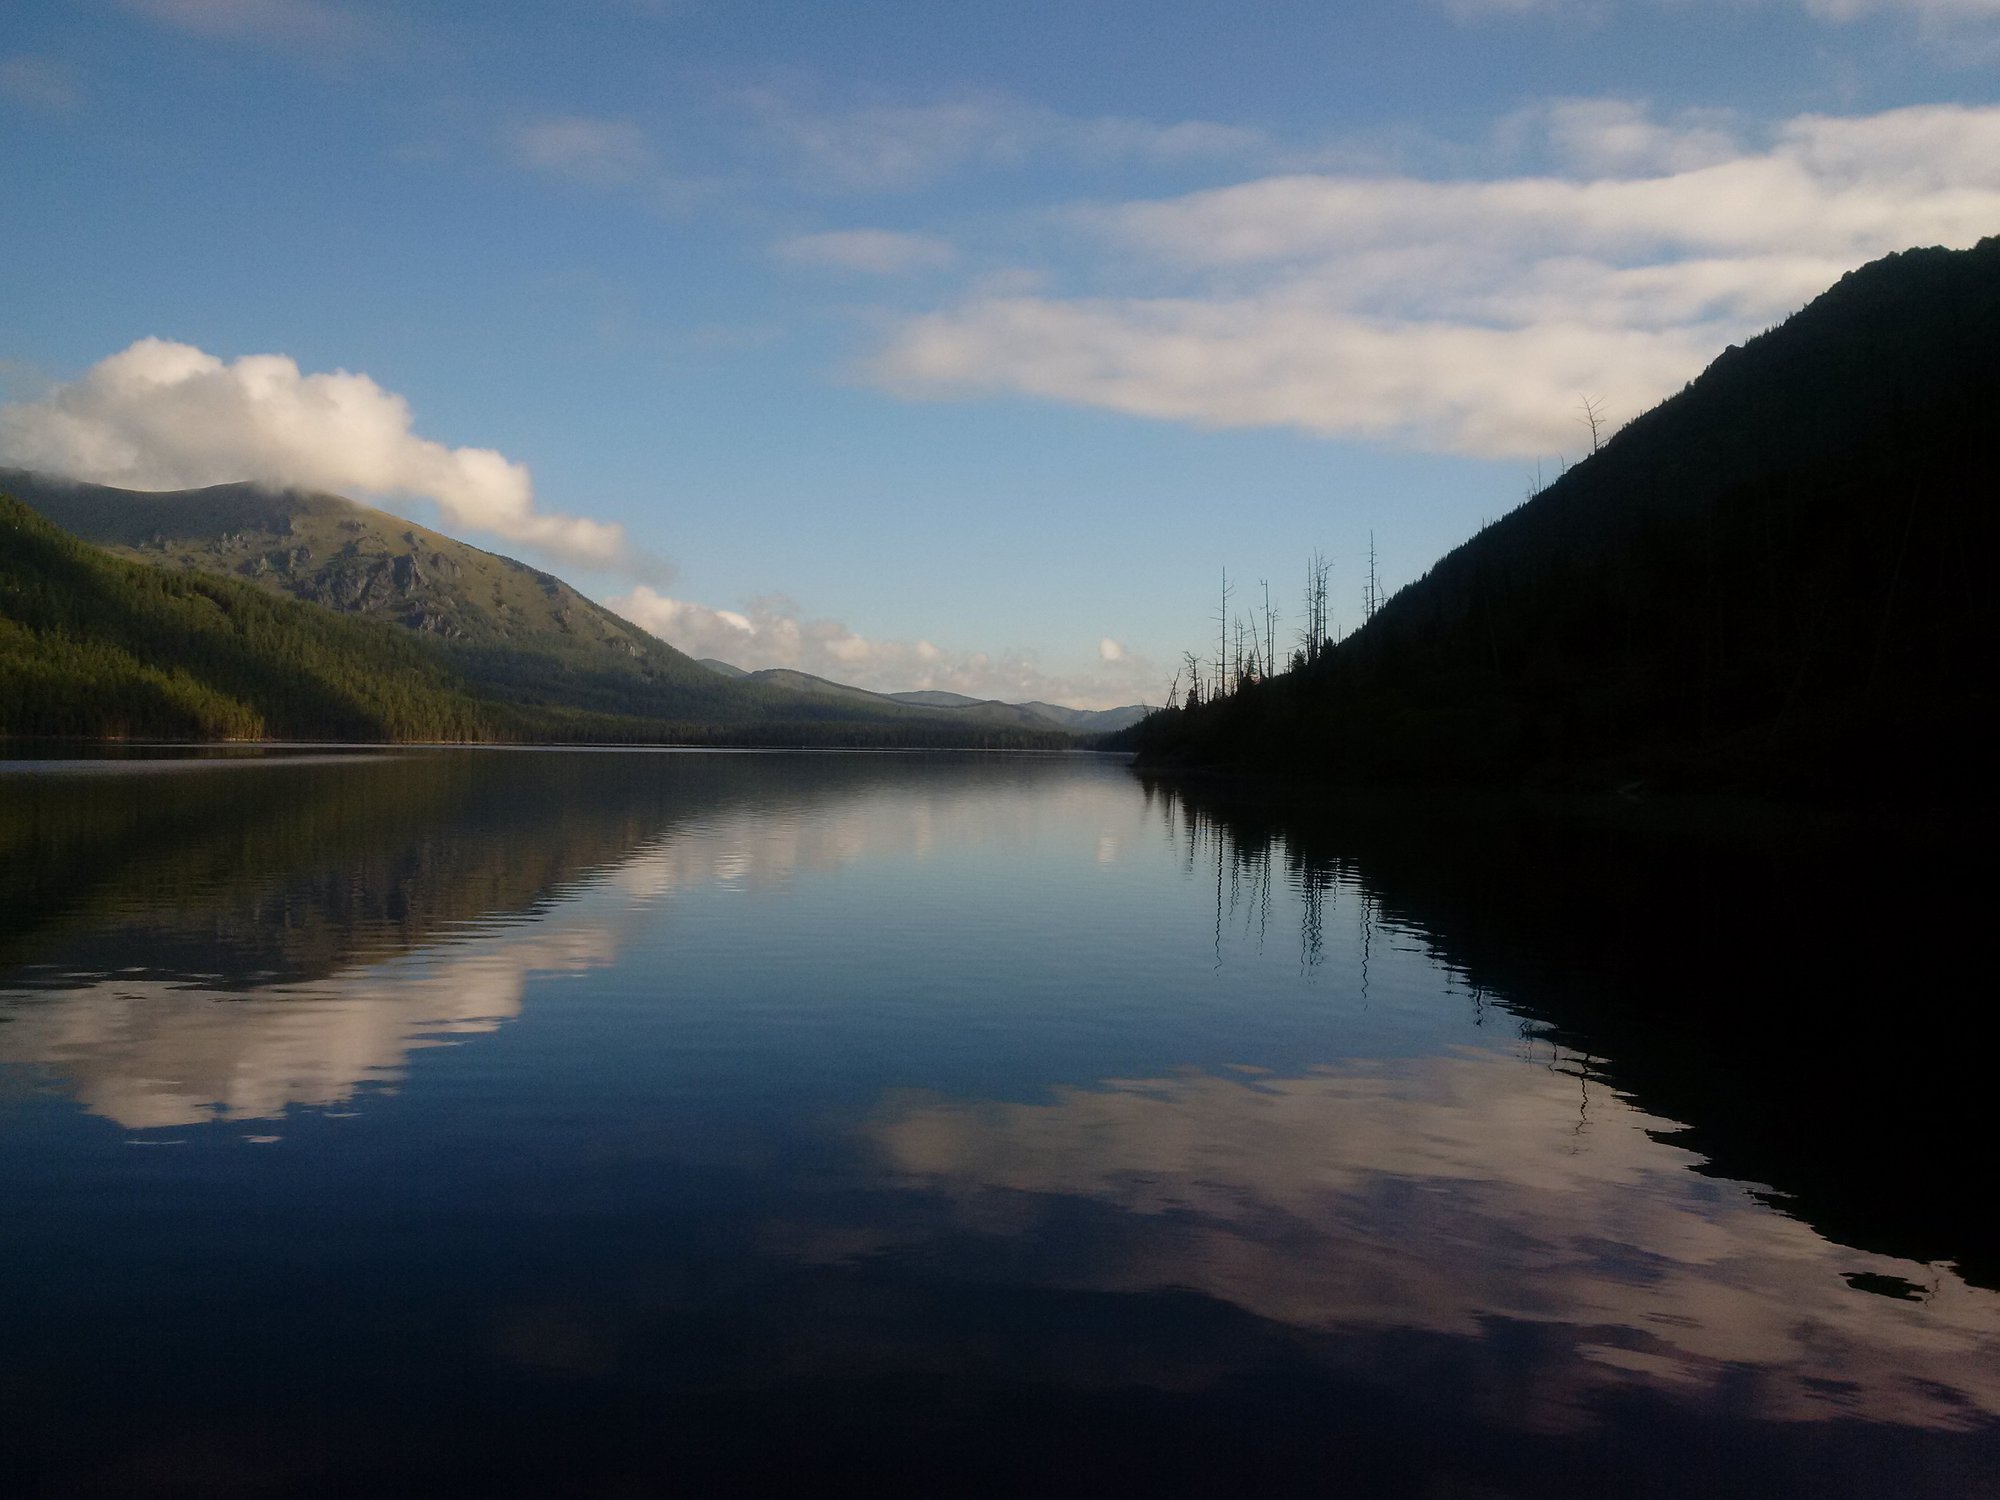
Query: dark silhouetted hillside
{"type": "Point", "coordinates": [1773, 580]}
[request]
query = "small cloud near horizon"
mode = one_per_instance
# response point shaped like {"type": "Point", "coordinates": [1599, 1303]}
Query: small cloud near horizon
{"type": "Point", "coordinates": [772, 632]}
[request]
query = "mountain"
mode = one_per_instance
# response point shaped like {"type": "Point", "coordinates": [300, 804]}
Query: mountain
{"type": "Point", "coordinates": [516, 632]}
{"type": "Point", "coordinates": [1075, 720]}
{"type": "Point", "coordinates": [1089, 720]}
{"type": "Point", "coordinates": [1080, 721]}
{"type": "Point", "coordinates": [966, 711]}
{"type": "Point", "coordinates": [506, 632]}
{"type": "Point", "coordinates": [94, 646]}
{"type": "Point", "coordinates": [1771, 581]}
{"type": "Point", "coordinates": [329, 550]}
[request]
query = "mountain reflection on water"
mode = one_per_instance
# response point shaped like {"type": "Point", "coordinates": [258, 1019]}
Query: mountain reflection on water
{"type": "Point", "coordinates": [1804, 994]}
{"type": "Point", "coordinates": [998, 1123]}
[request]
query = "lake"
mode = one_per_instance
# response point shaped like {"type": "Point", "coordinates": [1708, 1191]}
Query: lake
{"type": "Point", "coordinates": [617, 1123]}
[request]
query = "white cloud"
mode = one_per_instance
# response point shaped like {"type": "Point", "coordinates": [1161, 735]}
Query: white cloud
{"type": "Point", "coordinates": [1841, 11]}
{"type": "Point", "coordinates": [771, 632]}
{"type": "Point", "coordinates": [876, 252]}
{"type": "Point", "coordinates": [576, 148]}
{"type": "Point", "coordinates": [1470, 315]}
{"type": "Point", "coordinates": [1622, 138]}
{"type": "Point", "coordinates": [36, 83]}
{"type": "Point", "coordinates": [1110, 650]}
{"type": "Point", "coordinates": [162, 415]}
{"type": "Point", "coordinates": [287, 22]}
{"type": "Point", "coordinates": [885, 147]}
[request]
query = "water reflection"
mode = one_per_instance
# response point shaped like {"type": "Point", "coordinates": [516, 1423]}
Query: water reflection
{"type": "Point", "coordinates": [894, 1114]}
{"type": "Point", "coordinates": [226, 938]}
{"type": "Point", "coordinates": [1803, 995]}
{"type": "Point", "coordinates": [148, 1054]}
{"type": "Point", "coordinates": [1452, 1194]}
{"type": "Point", "coordinates": [242, 937]}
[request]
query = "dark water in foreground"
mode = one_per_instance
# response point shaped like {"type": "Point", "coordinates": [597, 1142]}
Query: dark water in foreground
{"type": "Point", "coordinates": [632, 1123]}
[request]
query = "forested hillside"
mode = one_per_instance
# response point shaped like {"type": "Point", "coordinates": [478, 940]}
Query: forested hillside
{"type": "Point", "coordinates": [555, 664]}
{"type": "Point", "coordinates": [1773, 580]}
{"type": "Point", "coordinates": [514, 632]}
{"type": "Point", "coordinates": [93, 646]}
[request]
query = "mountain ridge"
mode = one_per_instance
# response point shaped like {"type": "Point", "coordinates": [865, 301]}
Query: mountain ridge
{"type": "Point", "coordinates": [513, 633]}
{"type": "Point", "coordinates": [1083, 721]}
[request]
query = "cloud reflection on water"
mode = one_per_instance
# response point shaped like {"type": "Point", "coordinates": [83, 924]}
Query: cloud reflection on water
{"type": "Point", "coordinates": [1449, 1194]}
{"type": "Point", "coordinates": [149, 1054]}
{"type": "Point", "coordinates": [158, 1048]}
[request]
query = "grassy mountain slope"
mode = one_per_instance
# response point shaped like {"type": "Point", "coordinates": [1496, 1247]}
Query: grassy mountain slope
{"type": "Point", "coordinates": [91, 645]}
{"type": "Point", "coordinates": [1771, 580]}
{"type": "Point", "coordinates": [329, 550]}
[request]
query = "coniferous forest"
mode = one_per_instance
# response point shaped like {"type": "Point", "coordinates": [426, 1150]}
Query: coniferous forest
{"type": "Point", "coordinates": [94, 647]}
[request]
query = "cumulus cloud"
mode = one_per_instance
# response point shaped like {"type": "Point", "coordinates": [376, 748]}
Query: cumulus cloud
{"type": "Point", "coordinates": [1470, 315]}
{"type": "Point", "coordinates": [771, 632]}
{"type": "Point", "coordinates": [162, 415]}
{"type": "Point", "coordinates": [894, 147]}
{"type": "Point", "coordinates": [876, 252]}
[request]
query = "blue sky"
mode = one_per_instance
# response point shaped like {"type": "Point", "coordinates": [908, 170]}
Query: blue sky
{"type": "Point", "coordinates": [939, 345]}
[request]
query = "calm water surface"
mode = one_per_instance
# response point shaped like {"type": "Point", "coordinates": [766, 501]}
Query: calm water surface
{"type": "Point", "coordinates": [626, 1123]}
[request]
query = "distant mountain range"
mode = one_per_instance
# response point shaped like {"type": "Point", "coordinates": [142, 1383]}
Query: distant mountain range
{"type": "Point", "coordinates": [1033, 715]}
{"type": "Point", "coordinates": [542, 660]}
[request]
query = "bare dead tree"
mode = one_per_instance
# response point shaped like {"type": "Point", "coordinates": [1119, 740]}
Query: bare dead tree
{"type": "Point", "coordinates": [1371, 591]}
{"type": "Point", "coordinates": [1593, 418]}
{"type": "Point", "coordinates": [1222, 673]}
{"type": "Point", "coordinates": [1313, 637]}
{"type": "Point", "coordinates": [1247, 669]}
{"type": "Point", "coordinates": [1270, 631]}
